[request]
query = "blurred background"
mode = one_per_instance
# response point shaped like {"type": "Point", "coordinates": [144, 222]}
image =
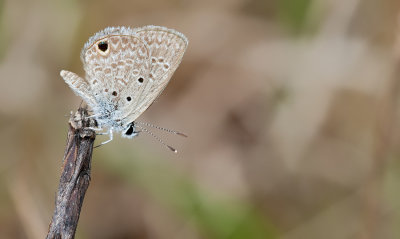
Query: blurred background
{"type": "Point", "coordinates": [291, 107]}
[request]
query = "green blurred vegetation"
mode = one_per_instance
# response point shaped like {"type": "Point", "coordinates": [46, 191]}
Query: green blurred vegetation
{"type": "Point", "coordinates": [214, 217]}
{"type": "Point", "coordinates": [294, 14]}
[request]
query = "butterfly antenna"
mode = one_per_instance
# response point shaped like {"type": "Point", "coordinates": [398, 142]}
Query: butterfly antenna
{"type": "Point", "coordinates": [161, 128]}
{"type": "Point", "coordinates": [158, 139]}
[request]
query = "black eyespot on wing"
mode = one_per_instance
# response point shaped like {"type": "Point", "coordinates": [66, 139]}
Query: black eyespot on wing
{"type": "Point", "coordinates": [130, 130]}
{"type": "Point", "coordinates": [114, 93]}
{"type": "Point", "coordinates": [140, 80]}
{"type": "Point", "coordinates": [103, 46]}
{"type": "Point", "coordinates": [128, 98]}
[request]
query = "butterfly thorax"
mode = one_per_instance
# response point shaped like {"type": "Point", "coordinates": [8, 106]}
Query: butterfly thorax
{"type": "Point", "coordinates": [108, 115]}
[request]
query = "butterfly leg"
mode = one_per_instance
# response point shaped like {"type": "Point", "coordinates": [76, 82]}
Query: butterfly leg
{"type": "Point", "coordinates": [98, 129]}
{"type": "Point", "coordinates": [93, 116]}
{"type": "Point", "coordinates": [110, 133]}
{"type": "Point", "coordinates": [95, 128]}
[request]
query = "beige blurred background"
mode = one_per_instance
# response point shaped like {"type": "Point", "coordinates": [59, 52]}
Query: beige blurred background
{"type": "Point", "coordinates": [291, 107]}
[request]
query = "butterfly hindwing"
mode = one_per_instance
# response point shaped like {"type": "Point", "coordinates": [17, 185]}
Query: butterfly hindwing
{"type": "Point", "coordinates": [114, 66]}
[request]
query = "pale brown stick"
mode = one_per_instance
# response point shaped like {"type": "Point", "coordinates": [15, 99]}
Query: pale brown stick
{"type": "Point", "coordinates": [75, 176]}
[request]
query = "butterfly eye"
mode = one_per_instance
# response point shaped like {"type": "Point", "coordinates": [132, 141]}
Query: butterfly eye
{"type": "Point", "coordinates": [130, 130]}
{"type": "Point", "coordinates": [103, 47]}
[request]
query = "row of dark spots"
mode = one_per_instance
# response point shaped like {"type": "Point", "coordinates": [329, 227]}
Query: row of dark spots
{"type": "Point", "coordinates": [114, 93]}
{"type": "Point", "coordinates": [140, 81]}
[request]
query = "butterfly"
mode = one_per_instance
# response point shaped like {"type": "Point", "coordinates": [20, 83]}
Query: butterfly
{"type": "Point", "coordinates": [126, 69]}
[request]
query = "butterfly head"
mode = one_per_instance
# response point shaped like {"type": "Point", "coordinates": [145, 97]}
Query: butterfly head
{"type": "Point", "coordinates": [130, 131]}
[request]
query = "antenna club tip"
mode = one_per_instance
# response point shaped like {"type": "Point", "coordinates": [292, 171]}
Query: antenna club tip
{"type": "Point", "coordinates": [172, 149]}
{"type": "Point", "coordinates": [181, 134]}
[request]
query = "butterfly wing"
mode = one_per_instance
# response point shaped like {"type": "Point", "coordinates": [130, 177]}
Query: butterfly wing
{"type": "Point", "coordinates": [113, 62]}
{"type": "Point", "coordinates": [127, 69]}
{"type": "Point", "coordinates": [79, 86]}
{"type": "Point", "coordinates": [166, 48]}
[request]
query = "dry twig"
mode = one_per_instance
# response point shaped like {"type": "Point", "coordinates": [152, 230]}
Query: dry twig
{"type": "Point", "coordinates": [75, 176]}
